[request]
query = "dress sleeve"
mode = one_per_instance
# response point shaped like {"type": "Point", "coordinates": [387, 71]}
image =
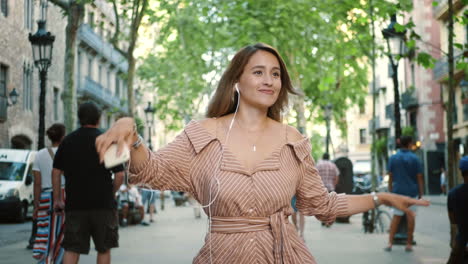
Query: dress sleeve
{"type": "Point", "coordinates": [314, 199]}
{"type": "Point", "coordinates": [166, 169]}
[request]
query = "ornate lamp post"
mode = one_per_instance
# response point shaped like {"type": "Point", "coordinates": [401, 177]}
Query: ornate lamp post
{"type": "Point", "coordinates": [328, 113]}
{"type": "Point", "coordinates": [395, 48]}
{"type": "Point", "coordinates": [149, 114]}
{"type": "Point", "coordinates": [42, 44]}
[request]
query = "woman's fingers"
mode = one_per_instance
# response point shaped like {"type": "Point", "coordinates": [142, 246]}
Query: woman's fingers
{"type": "Point", "coordinates": [422, 202]}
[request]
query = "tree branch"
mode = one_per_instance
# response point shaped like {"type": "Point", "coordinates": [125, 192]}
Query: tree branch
{"type": "Point", "coordinates": [115, 37]}
{"type": "Point", "coordinates": [64, 4]}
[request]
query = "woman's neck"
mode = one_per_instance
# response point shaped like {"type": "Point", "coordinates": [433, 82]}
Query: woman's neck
{"type": "Point", "coordinates": [252, 118]}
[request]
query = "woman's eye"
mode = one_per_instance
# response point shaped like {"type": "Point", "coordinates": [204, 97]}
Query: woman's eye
{"type": "Point", "coordinates": [257, 72]}
{"type": "Point", "coordinates": [276, 74]}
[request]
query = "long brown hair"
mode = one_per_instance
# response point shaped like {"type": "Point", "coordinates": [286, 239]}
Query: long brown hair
{"type": "Point", "coordinates": [224, 101]}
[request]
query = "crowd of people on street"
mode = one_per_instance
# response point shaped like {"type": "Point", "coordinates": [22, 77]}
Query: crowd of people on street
{"type": "Point", "coordinates": [225, 164]}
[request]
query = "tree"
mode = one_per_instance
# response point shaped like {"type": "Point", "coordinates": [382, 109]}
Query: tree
{"type": "Point", "coordinates": [132, 11]}
{"type": "Point", "coordinates": [74, 11]}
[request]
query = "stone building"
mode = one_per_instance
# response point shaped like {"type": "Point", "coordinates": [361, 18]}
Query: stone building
{"type": "Point", "coordinates": [460, 115]}
{"type": "Point", "coordinates": [19, 123]}
{"type": "Point", "coordinates": [99, 69]}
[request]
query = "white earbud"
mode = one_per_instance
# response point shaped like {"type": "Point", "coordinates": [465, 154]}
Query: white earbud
{"type": "Point", "coordinates": [237, 88]}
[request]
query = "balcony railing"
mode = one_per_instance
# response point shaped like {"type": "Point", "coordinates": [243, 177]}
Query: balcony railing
{"type": "Point", "coordinates": [95, 91]}
{"type": "Point", "coordinates": [409, 99]}
{"type": "Point", "coordinates": [441, 66]}
{"type": "Point", "coordinates": [87, 35]}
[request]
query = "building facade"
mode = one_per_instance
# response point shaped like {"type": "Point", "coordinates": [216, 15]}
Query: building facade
{"type": "Point", "coordinates": [460, 113]}
{"type": "Point", "coordinates": [19, 123]}
{"type": "Point", "coordinates": [99, 69]}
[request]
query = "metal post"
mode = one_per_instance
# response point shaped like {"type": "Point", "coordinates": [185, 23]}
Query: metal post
{"type": "Point", "coordinates": [396, 96]}
{"type": "Point", "coordinates": [42, 103]}
{"type": "Point", "coordinates": [149, 137]}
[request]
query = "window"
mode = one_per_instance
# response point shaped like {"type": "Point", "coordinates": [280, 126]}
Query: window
{"type": "Point", "coordinates": [28, 71]}
{"type": "Point", "coordinates": [101, 29]}
{"type": "Point", "coordinates": [91, 19]}
{"type": "Point", "coordinates": [4, 7]}
{"type": "Point", "coordinates": [3, 80]}
{"type": "Point", "coordinates": [108, 80]}
{"type": "Point", "coordinates": [78, 70]}
{"type": "Point", "coordinates": [362, 109]}
{"type": "Point", "coordinates": [117, 85]}
{"type": "Point", "coordinates": [28, 14]}
{"type": "Point", "coordinates": [90, 67]}
{"type": "Point", "coordinates": [56, 103]}
{"type": "Point", "coordinates": [362, 136]}
{"type": "Point", "coordinates": [100, 74]}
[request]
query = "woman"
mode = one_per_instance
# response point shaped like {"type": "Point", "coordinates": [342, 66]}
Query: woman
{"type": "Point", "coordinates": [244, 166]}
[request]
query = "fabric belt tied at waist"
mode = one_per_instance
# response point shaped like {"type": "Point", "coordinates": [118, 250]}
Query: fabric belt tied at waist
{"type": "Point", "coordinates": [275, 222]}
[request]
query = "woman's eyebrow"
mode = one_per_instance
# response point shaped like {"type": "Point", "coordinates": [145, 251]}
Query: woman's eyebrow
{"type": "Point", "coordinates": [263, 67]}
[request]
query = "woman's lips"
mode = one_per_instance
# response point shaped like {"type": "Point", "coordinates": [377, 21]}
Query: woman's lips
{"type": "Point", "coordinates": [266, 91]}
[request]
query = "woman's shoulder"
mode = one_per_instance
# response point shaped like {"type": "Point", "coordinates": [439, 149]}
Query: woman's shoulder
{"type": "Point", "coordinates": [293, 134]}
{"type": "Point", "coordinates": [209, 124]}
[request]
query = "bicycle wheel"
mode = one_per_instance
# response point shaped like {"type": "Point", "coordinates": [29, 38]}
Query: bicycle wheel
{"type": "Point", "coordinates": [382, 222]}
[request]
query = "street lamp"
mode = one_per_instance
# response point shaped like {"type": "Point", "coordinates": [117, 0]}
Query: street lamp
{"type": "Point", "coordinates": [149, 114]}
{"type": "Point", "coordinates": [42, 44]}
{"type": "Point", "coordinates": [395, 45]}
{"type": "Point", "coordinates": [328, 113]}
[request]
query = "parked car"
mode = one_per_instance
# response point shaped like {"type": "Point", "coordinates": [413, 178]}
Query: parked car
{"type": "Point", "coordinates": [16, 183]}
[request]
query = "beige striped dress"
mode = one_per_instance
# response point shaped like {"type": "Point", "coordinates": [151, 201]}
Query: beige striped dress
{"type": "Point", "coordinates": [249, 214]}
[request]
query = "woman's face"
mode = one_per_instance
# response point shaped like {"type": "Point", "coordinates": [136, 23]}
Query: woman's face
{"type": "Point", "coordinates": [260, 82]}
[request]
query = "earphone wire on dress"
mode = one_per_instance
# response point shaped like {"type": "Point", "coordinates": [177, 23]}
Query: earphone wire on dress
{"type": "Point", "coordinates": [216, 178]}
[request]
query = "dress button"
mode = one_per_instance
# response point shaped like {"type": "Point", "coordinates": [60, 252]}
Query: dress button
{"type": "Point", "coordinates": [250, 210]}
{"type": "Point", "coordinates": [251, 240]}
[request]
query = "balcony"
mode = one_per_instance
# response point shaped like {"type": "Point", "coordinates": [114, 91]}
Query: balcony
{"type": "Point", "coordinates": [103, 96]}
{"type": "Point", "coordinates": [441, 10]}
{"type": "Point", "coordinates": [409, 99]}
{"type": "Point", "coordinates": [441, 66]}
{"type": "Point", "coordinates": [88, 37]}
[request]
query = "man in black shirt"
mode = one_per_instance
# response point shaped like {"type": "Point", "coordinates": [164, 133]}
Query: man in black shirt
{"type": "Point", "coordinates": [457, 205]}
{"type": "Point", "coordinates": [90, 207]}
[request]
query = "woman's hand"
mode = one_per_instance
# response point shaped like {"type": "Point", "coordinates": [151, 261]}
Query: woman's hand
{"type": "Point", "coordinates": [401, 202]}
{"type": "Point", "coordinates": [122, 133]}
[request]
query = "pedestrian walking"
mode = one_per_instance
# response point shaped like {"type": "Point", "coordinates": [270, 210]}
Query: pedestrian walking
{"type": "Point", "coordinates": [148, 198]}
{"type": "Point", "coordinates": [244, 166]}
{"type": "Point", "coordinates": [90, 206]}
{"type": "Point", "coordinates": [405, 178]}
{"type": "Point", "coordinates": [329, 174]}
{"type": "Point", "coordinates": [457, 205]}
{"type": "Point", "coordinates": [47, 240]}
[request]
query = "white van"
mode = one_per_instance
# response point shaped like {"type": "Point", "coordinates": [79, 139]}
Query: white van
{"type": "Point", "coordinates": [16, 183]}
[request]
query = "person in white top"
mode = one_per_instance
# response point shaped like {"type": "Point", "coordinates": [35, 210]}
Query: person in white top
{"type": "Point", "coordinates": [42, 171]}
{"type": "Point", "coordinates": [42, 168]}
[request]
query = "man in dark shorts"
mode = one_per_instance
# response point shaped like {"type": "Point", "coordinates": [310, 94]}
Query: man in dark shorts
{"type": "Point", "coordinates": [90, 205]}
{"type": "Point", "coordinates": [457, 205]}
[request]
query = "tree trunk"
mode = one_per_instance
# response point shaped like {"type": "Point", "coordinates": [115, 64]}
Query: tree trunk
{"type": "Point", "coordinates": [130, 79]}
{"type": "Point", "coordinates": [75, 18]}
{"type": "Point", "coordinates": [450, 109]}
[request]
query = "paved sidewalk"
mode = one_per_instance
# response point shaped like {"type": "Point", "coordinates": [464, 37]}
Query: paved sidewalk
{"type": "Point", "coordinates": [176, 237]}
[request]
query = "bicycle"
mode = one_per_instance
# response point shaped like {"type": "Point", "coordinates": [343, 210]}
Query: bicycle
{"type": "Point", "coordinates": [375, 220]}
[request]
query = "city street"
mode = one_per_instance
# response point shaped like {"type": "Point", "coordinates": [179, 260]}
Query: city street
{"type": "Point", "coordinates": [176, 237]}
